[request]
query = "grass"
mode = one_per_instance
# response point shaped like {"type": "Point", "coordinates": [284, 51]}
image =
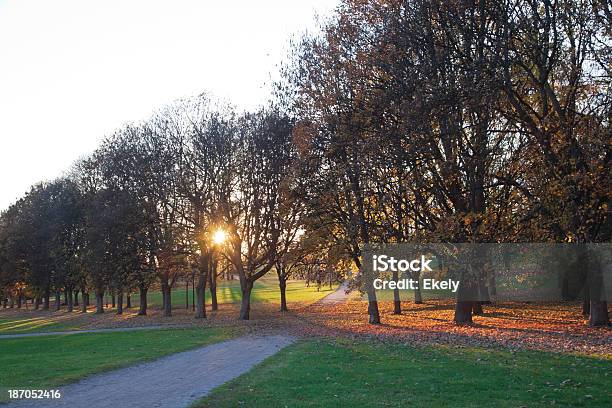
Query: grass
{"type": "Point", "coordinates": [34, 325]}
{"type": "Point", "coordinates": [323, 373]}
{"type": "Point", "coordinates": [265, 290]}
{"type": "Point", "coordinates": [49, 361]}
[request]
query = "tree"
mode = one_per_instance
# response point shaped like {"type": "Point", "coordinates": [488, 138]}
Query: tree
{"type": "Point", "coordinates": [291, 254]}
{"type": "Point", "coordinates": [166, 230]}
{"type": "Point", "coordinates": [126, 167]}
{"type": "Point", "coordinates": [251, 209]}
{"type": "Point", "coordinates": [12, 263]}
{"type": "Point", "coordinates": [554, 59]}
{"type": "Point", "coordinates": [202, 136]}
{"type": "Point", "coordinates": [66, 220]}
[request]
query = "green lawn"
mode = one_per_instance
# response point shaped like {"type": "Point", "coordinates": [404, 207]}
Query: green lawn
{"type": "Point", "coordinates": [265, 290]}
{"type": "Point", "coordinates": [342, 373]}
{"type": "Point", "coordinates": [43, 362]}
{"type": "Point", "coordinates": [34, 325]}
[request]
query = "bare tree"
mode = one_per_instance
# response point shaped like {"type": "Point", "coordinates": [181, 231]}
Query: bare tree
{"type": "Point", "coordinates": [251, 208]}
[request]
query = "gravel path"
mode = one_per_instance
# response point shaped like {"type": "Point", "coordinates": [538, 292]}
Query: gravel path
{"type": "Point", "coordinates": [118, 329]}
{"type": "Point", "coordinates": [173, 381]}
{"type": "Point", "coordinates": [339, 295]}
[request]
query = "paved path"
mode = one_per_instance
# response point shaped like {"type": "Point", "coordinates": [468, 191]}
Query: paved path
{"type": "Point", "coordinates": [173, 381]}
{"type": "Point", "coordinates": [339, 295]}
{"type": "Point", "coordinates": [118, 329]}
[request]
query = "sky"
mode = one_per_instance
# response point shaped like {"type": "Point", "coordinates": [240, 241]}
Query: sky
{"type": "Point", "coordinates": [71, 72]}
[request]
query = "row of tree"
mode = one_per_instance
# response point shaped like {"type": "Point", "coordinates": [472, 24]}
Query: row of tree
{"type": "Point", "coordinates": [457, 121]}
{"type": "Point", "coordinates": [400, 121]}
{"type": "Point", "coordinates": [144, 206]}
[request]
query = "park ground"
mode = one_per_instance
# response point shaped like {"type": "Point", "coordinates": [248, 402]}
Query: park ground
{"type": "Point", "coordinates": [265, 295]}
{"type": "Point", "coordinates": [514, 355]}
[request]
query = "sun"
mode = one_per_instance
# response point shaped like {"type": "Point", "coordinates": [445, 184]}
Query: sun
{"type": "Point", "coordinates": [219, 237]}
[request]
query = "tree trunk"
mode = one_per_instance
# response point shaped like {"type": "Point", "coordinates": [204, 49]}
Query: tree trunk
{"type": "Point", "coordinates": [201, 296]}
{"type": "Point", "coordinates": [167, 297]}
{"type": "Point", "coordinates": [477, 308]}
{"type": "Point", "coordinates": [213, 287]}
{"type": "Point", "coordinates": [58, 300]}
{"type": "Point", "coordinates": [597, 295]}
{"type": "Point", "coordinates": [142, 309]}
{"type": "Point", "coordinates": [463, 312]}
{"type": "Point", "coordinates": [565, 296]}
{"type": "Point", "coordinates": [186, 294]}
{"type": "Point", "coordinates": [36, 302]}
{"type": "Point", "coordinates": [468, 291]}
{"type": "Point", "coordinates": [46, 300]}
{"type": "Point", "coordinates": [19, 301]}
{"type": "Point", "coordinates": [76, 297]}
{"type": "Point", "coordinates": [99, 301]}
{"type": "Point", "coordinates": [586, 300]}
{"type": "Point", "coordinates": [397, 302]}
{"type": "Point", "coordinates": [128, 301]}
{"type": "Point", "coordinates": [586, 305]}
{"type": "Point", "coordinates": [373, 312]}
{"type": "Point", "coordinates": [599, 314]}
{"type": "Point", "coordinates": [120, 302]}
{"type": "Point", "coordinates": [282, 284]}
{"type": "Point", "coordinates": [418, 296]}
{"type": "Point", "coordinates": [113, 299]}
{"type": "Point", "coordinates": [84, 302]}
{"type": "Point", "coordinates": [245, 304]}
{"type": "Point", "coordinates": [493, 284]}
{"type": "Point", "coordinates": [193, 292]}
{"type": "Point", "coordinates": [65, 298]}
{"type": "Point", "coordinates": [483, 291]}
{"type": "Point", "coordinates": [70, 305]}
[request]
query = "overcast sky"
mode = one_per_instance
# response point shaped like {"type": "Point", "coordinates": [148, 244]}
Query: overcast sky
{"type": "Point", "coordinates": [73, 71]}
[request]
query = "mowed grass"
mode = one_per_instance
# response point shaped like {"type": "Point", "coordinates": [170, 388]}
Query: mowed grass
{"type": "Point", "coordinates": [265, 290]}
{"type": "Point", "coordinates": [34, 324]}
{"type": "Point", "coordinates": [343, 373]}
{"type": "Point", "coordinates": [49, 361]}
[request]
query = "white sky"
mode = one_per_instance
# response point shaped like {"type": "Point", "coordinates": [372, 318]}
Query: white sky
{"type": "Point", "coordinates": [73, 71]}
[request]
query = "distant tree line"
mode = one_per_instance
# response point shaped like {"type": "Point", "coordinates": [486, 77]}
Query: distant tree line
{"type": "Point", "coordinates": [400, 121]}
{"type": "Point", "coordinates": [143, 208]}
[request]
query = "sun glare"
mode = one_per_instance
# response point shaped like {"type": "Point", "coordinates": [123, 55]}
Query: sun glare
{"type": "Point", "coordinates": [219, 237]}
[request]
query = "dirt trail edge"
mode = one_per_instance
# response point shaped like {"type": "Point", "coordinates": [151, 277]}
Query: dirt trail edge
{"type": "Point", "coordinates": [172, 381]}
